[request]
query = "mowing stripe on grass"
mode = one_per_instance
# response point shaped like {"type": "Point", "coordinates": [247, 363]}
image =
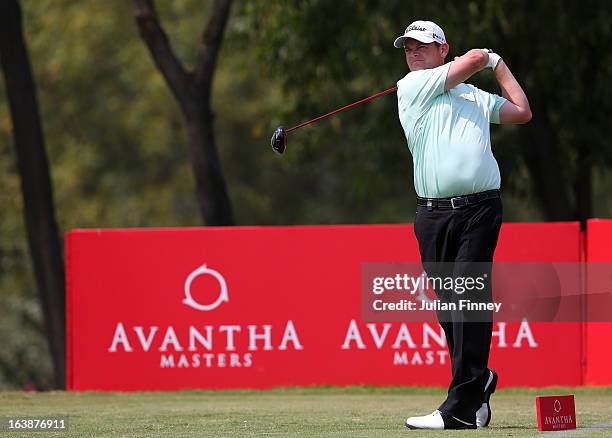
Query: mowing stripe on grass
{"type": "Point", "coordinates": [579, 431]}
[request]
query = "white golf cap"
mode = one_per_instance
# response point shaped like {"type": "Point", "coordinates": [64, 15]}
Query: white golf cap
{"type": "Point", "coordinates": [423, 31]}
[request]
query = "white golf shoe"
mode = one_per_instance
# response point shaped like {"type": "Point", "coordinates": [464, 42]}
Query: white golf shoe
{"type": "Point", "coordinates": [436, 421]}
{"type": "Point", "coordinates": [431, 421]}
{"type": "Point", "coordinates": [483, 415]}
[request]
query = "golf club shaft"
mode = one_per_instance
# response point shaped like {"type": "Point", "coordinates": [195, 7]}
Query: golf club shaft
{"type": "Point", "coordinates": [374, 96]}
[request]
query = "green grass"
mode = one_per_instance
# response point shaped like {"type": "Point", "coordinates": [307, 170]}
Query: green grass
{"type": "Point", "coordinates": [288, 412]}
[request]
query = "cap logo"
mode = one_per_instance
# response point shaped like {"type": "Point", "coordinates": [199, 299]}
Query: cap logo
{"type": "Point", "coordinates": [414, 27]}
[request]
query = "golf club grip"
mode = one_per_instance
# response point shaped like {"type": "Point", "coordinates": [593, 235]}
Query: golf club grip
{"type": "Point", "coordinates": [374, 96]}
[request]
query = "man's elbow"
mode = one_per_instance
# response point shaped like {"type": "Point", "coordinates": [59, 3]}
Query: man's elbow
{"type": "Point", "coordinates": [525, 116]}
{"type": "Point", "coordinates": [514, 114]}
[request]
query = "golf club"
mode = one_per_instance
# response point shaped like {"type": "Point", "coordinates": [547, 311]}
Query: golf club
{"type": "Point", "coordinates": [279, 138]}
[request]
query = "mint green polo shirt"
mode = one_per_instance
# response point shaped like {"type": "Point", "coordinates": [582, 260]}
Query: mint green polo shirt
{"type": "Point", "coordinates": [448, 134]}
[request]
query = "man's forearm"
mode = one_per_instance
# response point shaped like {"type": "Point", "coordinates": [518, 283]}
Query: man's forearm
{"type": "Point", "coordinates": [463, 67]}
{"type": "Point", "coordinates": [511, 89]}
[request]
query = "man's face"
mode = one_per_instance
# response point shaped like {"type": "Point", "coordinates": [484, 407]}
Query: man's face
{"type": "Point", "coordinates": [420, 56]}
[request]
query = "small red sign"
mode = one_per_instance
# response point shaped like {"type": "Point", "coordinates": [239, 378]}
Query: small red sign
{"type": "Point", "coordinates": [556, 412]}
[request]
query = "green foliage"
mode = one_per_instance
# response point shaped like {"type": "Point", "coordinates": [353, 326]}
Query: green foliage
{"type": "Point", "coordinates": [23, 359]}
{"type": "Point", "coordinates": [113, 131]}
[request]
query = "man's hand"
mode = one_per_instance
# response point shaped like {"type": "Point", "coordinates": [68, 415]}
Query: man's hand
{"type": "Point", "coordinates": [494, 59]}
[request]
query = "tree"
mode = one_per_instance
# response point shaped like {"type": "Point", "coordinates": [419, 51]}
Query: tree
{"type": "Point", "coordinates": [192, 89]}
{"type": "Point", "coordinates": [36, 187]}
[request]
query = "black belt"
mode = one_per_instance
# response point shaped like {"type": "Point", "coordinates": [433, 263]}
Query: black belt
{"type": "Point", "coordinates": [458, 201]}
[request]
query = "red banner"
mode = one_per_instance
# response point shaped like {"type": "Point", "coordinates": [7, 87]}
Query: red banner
{"type": "Point", "coordinates": [257, 307]}
{"type": "Point", "coordinates": [598, 350]}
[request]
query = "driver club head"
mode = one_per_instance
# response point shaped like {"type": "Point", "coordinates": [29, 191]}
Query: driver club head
{"type": "Point", "coordinates": [279, 140]}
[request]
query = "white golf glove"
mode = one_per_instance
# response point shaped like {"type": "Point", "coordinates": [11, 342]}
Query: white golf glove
{"type": "Point", "coordinates": [494, 58]}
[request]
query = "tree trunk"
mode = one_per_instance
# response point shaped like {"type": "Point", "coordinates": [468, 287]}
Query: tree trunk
{"type": "Point", "coordinates": [583, 183]}
{"type": "Point", "coordinates": [36, 188]}
{"type": "Point", "coordinates": [583, 187]}
{"type": "Point", "coordinates": [214, 201]}
{"type": "Point", "coordinates": [192, 91]}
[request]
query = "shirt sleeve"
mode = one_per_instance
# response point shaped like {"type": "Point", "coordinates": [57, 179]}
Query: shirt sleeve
{"type": "Point", "coordinates": [495, 104]}
{"type": "Point", "coordinates": [418, 88]}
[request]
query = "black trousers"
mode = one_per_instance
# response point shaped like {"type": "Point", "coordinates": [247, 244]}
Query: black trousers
{"type": "Point", "coordinates": [465, 238]}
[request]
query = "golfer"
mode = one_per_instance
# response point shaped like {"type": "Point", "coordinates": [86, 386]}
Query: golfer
{"type": "Point", "coordinates": [459, 210]}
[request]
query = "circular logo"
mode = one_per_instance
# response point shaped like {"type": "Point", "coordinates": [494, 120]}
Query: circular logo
{"type": "Point", "coordinates": [223, 296]}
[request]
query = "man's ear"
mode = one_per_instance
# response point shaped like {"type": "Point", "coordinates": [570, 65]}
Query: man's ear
{"type": "Point", "coordinates": [443, 50]}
